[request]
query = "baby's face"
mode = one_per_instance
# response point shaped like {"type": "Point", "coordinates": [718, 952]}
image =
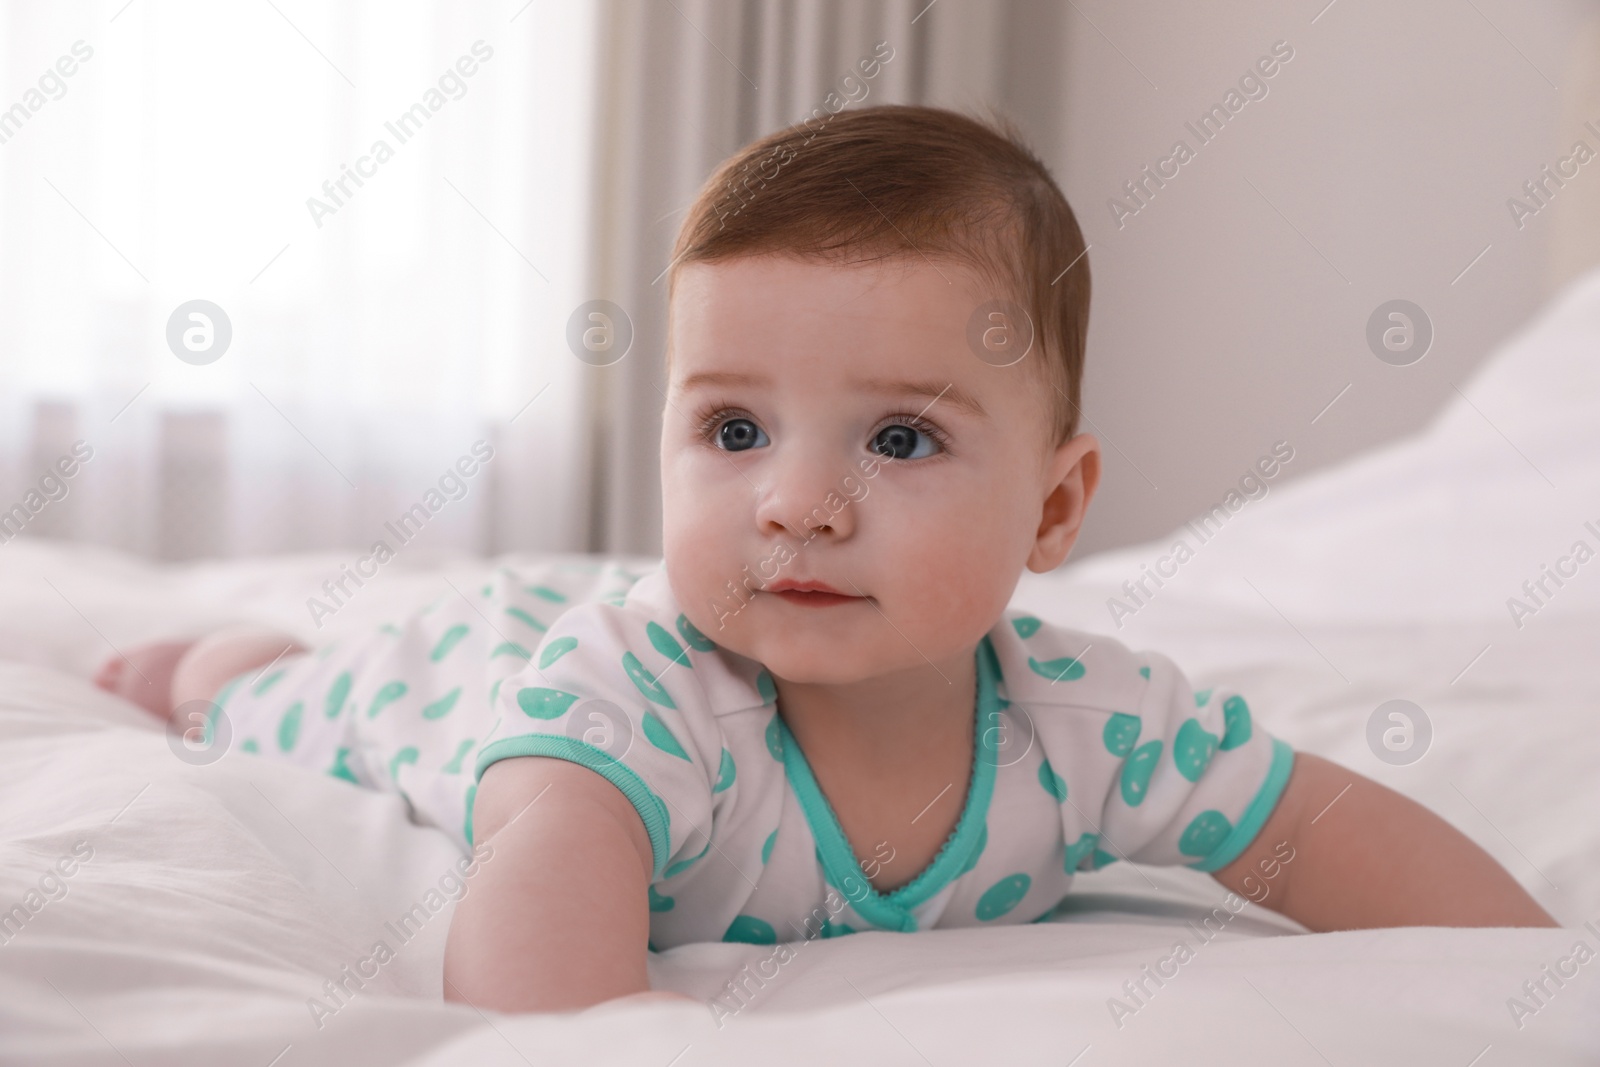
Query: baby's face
{"type": "Point", "coordinates": [820, 428]}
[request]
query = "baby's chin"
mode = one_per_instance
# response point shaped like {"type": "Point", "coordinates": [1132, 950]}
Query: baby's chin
{"type": "Point", "coordinates": [812, 655]}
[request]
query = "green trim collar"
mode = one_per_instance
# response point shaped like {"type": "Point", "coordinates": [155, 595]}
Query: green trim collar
{"type": "Point", "coordinates": [893, 911]}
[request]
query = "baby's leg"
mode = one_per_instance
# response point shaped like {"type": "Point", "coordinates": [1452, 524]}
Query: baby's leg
{"type": "Point", "coordinates": [215, 659]}
{"type": "Point", "coordinates": [143, 675]}
{"type": "Point", "coordinates": [163, 676]}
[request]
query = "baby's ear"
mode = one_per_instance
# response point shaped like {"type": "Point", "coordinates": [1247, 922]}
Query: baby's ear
{"type": "Point", "coordinates": [1070, 479]}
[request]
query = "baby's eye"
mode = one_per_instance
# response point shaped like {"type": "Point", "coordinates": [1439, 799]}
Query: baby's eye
{"type": "Point", "coordinates": [899, 441]}
{"type": "Point", "coordinates": [737, 435]}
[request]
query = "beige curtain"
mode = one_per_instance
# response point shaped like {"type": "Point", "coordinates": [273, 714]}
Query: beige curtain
{"type": "Point", "coordinates": [685, 83]}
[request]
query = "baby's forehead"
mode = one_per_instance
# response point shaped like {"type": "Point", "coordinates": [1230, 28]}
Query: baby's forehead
{"type": "Point", "coordinates": [857, 271]}
{"type": "Point", "coordinates": [900, 313]}
{"type": "Point", "coordinates": [773, 303]}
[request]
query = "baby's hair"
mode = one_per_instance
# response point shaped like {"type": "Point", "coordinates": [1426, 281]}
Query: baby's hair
{"type": "Point", "coordinates": [897, 181]}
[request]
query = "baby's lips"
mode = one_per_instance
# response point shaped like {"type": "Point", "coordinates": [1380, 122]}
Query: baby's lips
{"type": "Point", "coordinates": [790, 585]}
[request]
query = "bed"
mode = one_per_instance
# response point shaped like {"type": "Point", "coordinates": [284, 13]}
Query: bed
{"type": "Point", "coordinates": [210, 907]}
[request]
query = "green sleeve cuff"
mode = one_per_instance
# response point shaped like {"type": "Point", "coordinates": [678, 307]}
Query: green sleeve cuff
{"type": "Point", "coordinates": [652, 811]}
{"type": "Point", "coordinates": [1255, 816]}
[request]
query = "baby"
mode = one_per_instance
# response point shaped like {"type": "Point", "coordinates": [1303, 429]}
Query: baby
{"type": "Point", "coordinates": [817, 717]}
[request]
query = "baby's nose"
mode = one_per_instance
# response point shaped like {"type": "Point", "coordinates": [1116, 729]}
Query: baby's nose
{"type": "Point", "coordinates": [805, 497]}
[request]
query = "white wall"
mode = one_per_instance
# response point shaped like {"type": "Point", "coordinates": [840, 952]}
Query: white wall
{"type": "Point", "coordinates": [1387, 148]}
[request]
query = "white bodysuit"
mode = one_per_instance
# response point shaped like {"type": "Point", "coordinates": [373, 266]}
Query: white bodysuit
{"type": "Point", "coordinates": [1084, 753]}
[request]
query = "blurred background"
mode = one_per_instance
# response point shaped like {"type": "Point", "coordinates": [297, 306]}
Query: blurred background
{"type": "Point", "coordinates": [373, 314]}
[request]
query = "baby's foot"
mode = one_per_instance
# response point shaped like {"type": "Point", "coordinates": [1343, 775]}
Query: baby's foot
{"type": "Point", "coordinates": [144, 674]}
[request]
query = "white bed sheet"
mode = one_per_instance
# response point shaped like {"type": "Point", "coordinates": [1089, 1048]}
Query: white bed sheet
{"type": "Point", "coordinates": [220, 898]}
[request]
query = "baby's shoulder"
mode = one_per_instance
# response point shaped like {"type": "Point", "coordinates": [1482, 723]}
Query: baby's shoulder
{"type": "Point", "coordinates": [641, 635]}
{"type": "Point", "coordinates": [1045, 664]}
{"type": "Point", "coordinates": [560, 582]}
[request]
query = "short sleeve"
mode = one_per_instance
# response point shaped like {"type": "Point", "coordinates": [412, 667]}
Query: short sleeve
{"type": "Point", "coordinates": [615, 690]}
{"type": "Point", "coordinates": [1198, 775]}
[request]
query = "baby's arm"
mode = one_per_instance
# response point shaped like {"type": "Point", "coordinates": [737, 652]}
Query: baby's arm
{"type": "Point", "coordinates": [1372, 859]}
{"type": "Point", "coordinates": [558, 917]}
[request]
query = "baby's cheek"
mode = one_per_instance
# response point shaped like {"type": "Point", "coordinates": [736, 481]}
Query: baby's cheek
{"type": "Point", "coordinates": [697, 580]}
{"type": "Point", "coordinates": [698, 571]}
{"type": "Point", "coordinates": [952, 581]}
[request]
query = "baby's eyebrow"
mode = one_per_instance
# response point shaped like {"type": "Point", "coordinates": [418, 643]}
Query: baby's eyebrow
{"type": "Point", "coordinates": [721, 377]}
{"type": "Point", "coordinates": [932, 391]}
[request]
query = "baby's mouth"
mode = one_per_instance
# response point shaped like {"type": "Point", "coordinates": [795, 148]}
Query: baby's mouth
{"type": "Point", "coordinates": [810, 594]}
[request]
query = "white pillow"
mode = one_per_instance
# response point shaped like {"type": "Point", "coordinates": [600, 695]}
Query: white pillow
{"type": "Point", "coordinates": [1445, 525]}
